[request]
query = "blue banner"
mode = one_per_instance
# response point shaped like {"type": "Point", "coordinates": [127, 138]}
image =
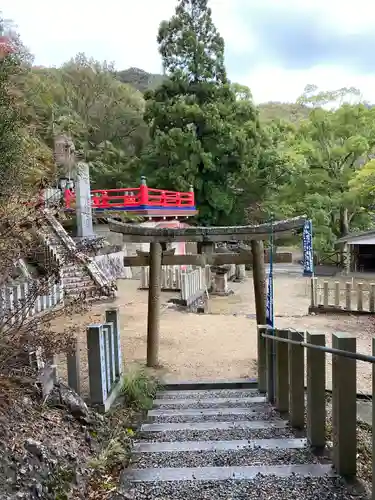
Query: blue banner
{"type": "Point", "coordinates": [269, 305]}
{"type": "Point", "coordinates": [308, 258]}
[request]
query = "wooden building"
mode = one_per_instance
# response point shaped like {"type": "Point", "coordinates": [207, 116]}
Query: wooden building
{"type": "Point", "coordinates": [360, 248]}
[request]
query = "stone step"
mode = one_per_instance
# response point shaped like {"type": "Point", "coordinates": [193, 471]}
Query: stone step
{"type": "Point", "coordinates": [225, 458]}
{"type": "Point", "coordinates": [249, 444]}
{"type": "Point", "coordinates": [207, 394]}
{"type": "Point", "coordinates": [191, 415]}
{"type": "Point", "coordinates": [77, 280]}
{"type": "Point", "coordinates": [75, 274]}
{"type": "Point", "coordinates": [225, 443]}
{"type": "Point", "coordinates": [209, 402]}
{"type": "Point", "coordinates": [226, 473]}
{"type": "Point", "coordinates": [80, 285]}
{"type": "Point", "coordinates": [263, 487]}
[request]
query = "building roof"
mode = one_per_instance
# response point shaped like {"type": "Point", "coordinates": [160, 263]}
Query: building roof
{"type": "Point", "coordinates": [358, 238]}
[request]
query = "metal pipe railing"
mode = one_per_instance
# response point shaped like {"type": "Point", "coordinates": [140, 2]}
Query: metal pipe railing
{"type": "Point", "coordinates": [329, 350]}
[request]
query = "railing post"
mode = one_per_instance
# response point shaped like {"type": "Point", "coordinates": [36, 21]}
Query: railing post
{"type": "Point", "coordinates": [296, 381]}
{"type": "Point", "coordinates": [143, 192]}
{"type": "Point", "coordinates": [110, 354]}
{"type": "Point", "coordinates": [73, 365]}
{"type": "Point", "coordinates": [344, 406]}
{"type": "Point", "coordinates": [262, 359]}
{"type": "Point", "coordinates": [18, 306]}
{"type": "Point", "coordinates": [316, 391]}
{"type": "Point", "coordinates": [96, 362]}
{"type": "Point", "coordinates": [373, 420]}
{"type": "Point", "coordinates": [112, 315]}
{"type": "Point", "coordinates": [282, 378]}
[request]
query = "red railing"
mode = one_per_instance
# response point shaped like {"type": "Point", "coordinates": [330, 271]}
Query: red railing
{"type": "Point", "coordinates": [140, 198]}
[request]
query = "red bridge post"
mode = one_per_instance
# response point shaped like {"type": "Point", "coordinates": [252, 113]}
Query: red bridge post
{"type": "Point", "coordinates": [143, 192]}
{"type": "Point", "coordinates": [192, 198]}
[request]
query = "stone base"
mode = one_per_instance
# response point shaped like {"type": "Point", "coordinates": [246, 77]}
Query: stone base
{"type": "Point", "coordinates": [222, 294]}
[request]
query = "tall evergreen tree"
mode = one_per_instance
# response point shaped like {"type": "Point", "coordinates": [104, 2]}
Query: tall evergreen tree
{"type": "Point", "coordinates": [203, 132]}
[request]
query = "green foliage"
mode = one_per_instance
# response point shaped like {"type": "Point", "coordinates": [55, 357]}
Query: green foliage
{"type": "Point", "coordinates": [11, 126]}
{"type": "Point", "coordinates": [103, 116]}
{"type": "Point", "coordinates": [114, 454]}
{"type": "Point", "coordinates": [321, 166]}
{"type": "Point", "coordinates": [204, 131]}
{"type": "Point", "coordinates": [139, 389]}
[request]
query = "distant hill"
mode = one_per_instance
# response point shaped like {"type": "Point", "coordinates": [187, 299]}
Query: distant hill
{"type": "Point", "coordinates": [140, 79]}
{"type": "Point", "coordinates": [293, 112]}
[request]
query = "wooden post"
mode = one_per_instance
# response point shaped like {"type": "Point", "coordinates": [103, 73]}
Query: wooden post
{"type": "Point", "coordinates": [360, 297]}
{"type": "Point", "coordinates": [337, 293]}
{"type": "Point", "coordinates": [282, 369]}
{"type": "Point", "coordinates": [326, 294]}
{"type": "Point", "coordinates": [259, 279]}
{"type": "Point", "coordinates": [314, 291]}
{"type": "Point", "coordinates": [371, 300]}
{"type": "Point", "coordinates": [344, 406]}
{"type": "Point", "coordinates": [373, 419]}
{"type": "Point", "coordinates": [316, 391]}
{"type": "Point", "coordinates": [348, 296]}
{"type": "Point", "coordinates": [153, 320]}
{"type": "Point", "coordinates": [296, 374]}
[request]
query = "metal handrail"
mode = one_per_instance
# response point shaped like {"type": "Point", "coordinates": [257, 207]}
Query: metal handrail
{"type": "Point", "coordinates": [329, 350]}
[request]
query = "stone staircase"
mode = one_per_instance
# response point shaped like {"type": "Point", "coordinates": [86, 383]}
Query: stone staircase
{"type": "Point", "coordinates": [80, 275]}
{"type": "Point", "coordinates": [225, 444]}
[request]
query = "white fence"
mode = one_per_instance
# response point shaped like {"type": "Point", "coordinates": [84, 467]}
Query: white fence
{"type": "Point", "coordinates": [21, 301]}
{"type": "Point", "coordinates": [193, 285]}
{"type": "Point", "coordinates": [170, 277]}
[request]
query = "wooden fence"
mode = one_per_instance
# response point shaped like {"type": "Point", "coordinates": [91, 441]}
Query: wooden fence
{"type": "Point", "coordinates": [20, 301]}
{"type": "Point", "coordinates": [353, 296]}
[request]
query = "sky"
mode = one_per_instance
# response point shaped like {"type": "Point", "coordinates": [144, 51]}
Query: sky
{"type": "Point", "coordinates": [275, 47]}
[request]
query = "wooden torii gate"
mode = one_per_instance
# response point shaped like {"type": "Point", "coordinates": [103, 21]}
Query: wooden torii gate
{"type": "Point", "coordinates": [205, 237]}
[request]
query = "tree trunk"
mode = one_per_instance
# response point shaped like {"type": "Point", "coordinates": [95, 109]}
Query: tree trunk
{"type": "Point", "coordinates": [344, 231]}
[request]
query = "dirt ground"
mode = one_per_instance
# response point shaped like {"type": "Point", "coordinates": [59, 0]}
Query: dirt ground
{"type": "Point", "coordinates": [222, 343]}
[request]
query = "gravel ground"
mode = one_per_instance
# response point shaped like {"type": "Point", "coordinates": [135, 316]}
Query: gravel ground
{"type": "Point", "coordinates": [217, 435]}
{"type": "Point", "coordinates": [245, 456]}
{"type": "Point", "coordinates": [265, 415]}
{"type": "Point", "coordinates": [220, 345]}
{"type": "Point", "coordinates": [263, 488]}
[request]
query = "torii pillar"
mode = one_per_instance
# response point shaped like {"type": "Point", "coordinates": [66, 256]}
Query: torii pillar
{"type": "Point", "coordinates": [154, 293]}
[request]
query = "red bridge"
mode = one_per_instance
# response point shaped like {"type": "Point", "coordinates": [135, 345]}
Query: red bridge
{"type": "Point", "coordinates": [141, 201]}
